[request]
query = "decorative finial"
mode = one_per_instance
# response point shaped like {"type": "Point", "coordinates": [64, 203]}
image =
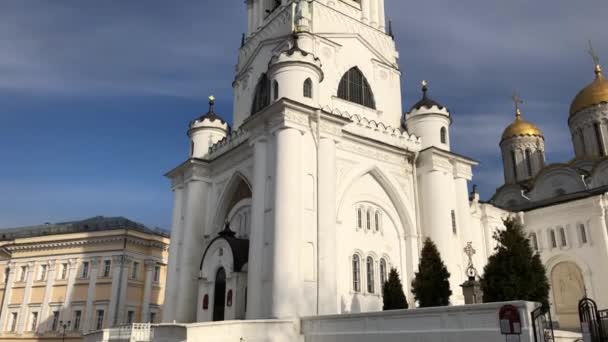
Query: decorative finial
{"type": "Point", "coordinates": [517, 101]}
{"type": "Point", "coordinates": [211, 103]}
{"type": "Point", "coordinates": [424, 87]}
{"type": "Point", "coordinates": [596, 59]}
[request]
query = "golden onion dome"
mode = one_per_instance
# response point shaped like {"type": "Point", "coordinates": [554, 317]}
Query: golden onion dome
{"type": "Point", "coordinates": [593, 94]}
{"type": "Point", "coordinates": [521, 127]}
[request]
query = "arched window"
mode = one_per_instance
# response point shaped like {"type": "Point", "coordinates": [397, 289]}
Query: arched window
{"type": "Point", "coordinates": [370, 275]}
{"type": "Point", "coordinates": [356, 273]}
{"type": "Point", "coordinates": [582, 136]}
{"type": "Point", "coordinates": [275, 89]}
{"type": "Point", "coordinates": [562, 236]}
{"type": "Point", "coordinates": [377, 220]}
{"type": "Point", "coordinates": [598, 136]}
{"type": "Point", "coordinates": [383, 276]}
{"type": "Point", "coordinates": [444, 135]}
{"type": "Point", "coordinates": [355, 88]}
{"type": "Point", "coordinates": [308, 88]}
{"type": "Point", "coordinates": [261, 98]}
{"type": "Point", "coordinates": [529, 162]}
{"type": "Point", "coordinates": [514, 159]}
{"type": "Point", "coordinates": [583, 233]}
{"type": "Point", "coordinates": [369, 219]}
{"type": "Point", "coordinates": [553, 238]}
{"type": "Point", "coordinates": [359, 218]}
{"type": "Point", "coordinates": [534, 240]}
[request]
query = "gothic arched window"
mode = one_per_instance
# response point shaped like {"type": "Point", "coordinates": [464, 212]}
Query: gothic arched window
{"type": "Point", "coordinates": [377, 220]}
{"type": "Point", "coordinates": [356, 273]}
{"type": "Point", "coordinates": [355, 88]}
{"type": "Point", "coordinates": [529, 162]}
{"type": "Point", "coordinates": [383, 276]}
{"type": "Point", "coordinates": [308, 88]}
{"type": "Point", "coordinates": [275, 89]}
{"type": "Point", "coordinates": [370, 275]}
{"type": "Point", "coordinates": [444, 135]}
{"type": "Point", "coordinates": [514, 160]}
{"type": "Point", "coordinates": [359, 218]}
{"type": "Point", "coordinates": [261, 98]}
{"type": "Point", "coordinates": [369, 219]}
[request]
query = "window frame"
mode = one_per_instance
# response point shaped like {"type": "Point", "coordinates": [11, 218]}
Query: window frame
{"type": "Point", "coordinates": [354, 87]}
{"type": "Point", "coordinates": [534, 240]}
{"type": "Point", "coordinates": [582, 231]}
{"type": "Point", "coordinates": [443, 135]}
{"type": "Point", "coordinates": [529, 169]}
{"type": "Point", "coordinates": [307, 88]}
{"type": "Point", "coordinates": [563, 238]}
{"type": "Point", "coordinates": [33, 324]}
{"type": "Point", "coordinates": [84, 272]}
{"type": "Point", "coordinates": [99, 317]}
{"type": "Point", "coordinates": [107, 268]}
{"type": "Point", "coordinates": [356, 273]}
{"type": "Point", "coordinates": [553, 238]}
{"type": "Point", "coordinates": [77, 320]}
{"type": "Point", "coordinates": [370, 276]}
{"type": "Point", "coordinates": [383, 272]}
{"type": "Point", "coordinates": [135, 270]}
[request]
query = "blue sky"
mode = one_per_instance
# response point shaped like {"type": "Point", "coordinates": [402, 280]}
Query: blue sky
{"type": "Point", "coordinates": [95, 96]}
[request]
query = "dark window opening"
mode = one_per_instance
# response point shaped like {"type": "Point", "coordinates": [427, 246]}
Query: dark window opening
{"type": "Point", "coordinates": [444, 135]}
{"type": "Point", "coordinates": [355, 88]}
{"type": "Point", "coordinates": [261, 98]}
{"type": "Point", "coordinates": [308, 88]}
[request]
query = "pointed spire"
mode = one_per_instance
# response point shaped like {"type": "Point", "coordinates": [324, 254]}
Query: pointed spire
{"type": "Point", "coordinates": [243, 40]}
{"type": "Point", "coordinates": [390, 29]}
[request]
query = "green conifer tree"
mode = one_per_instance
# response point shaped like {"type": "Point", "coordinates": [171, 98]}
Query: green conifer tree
{"type": "Point", "coordinates": [392, 293]}
{"type": "Point", "coordinates": [431, 285]}
{"type": "Point", "coordinates": [515, 271]}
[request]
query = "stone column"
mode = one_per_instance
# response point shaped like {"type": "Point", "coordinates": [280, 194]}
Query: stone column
{"type": "Point", "coordinates": [114, 297]}
{"type": "Point", "coordinates": [172, 284]}
{"type": "Point", "coordinates": [88, 310]}
{"type": "Point", "coordinates": [7, 293]}
{"type": "Point", "coordinates": [260, 13]}
{"type": "Point", "coordinates": [365, 11]}
{"type": "Point", "coordinates": [194, 223]}
{"type": "Point", "coordinates": [256, 244]}
{"type": "Point", "coordinates": [374, 13]}
{"type": "Point", "coordinates": [45, 312]}
{"type": "Point", "coordinates": [124, 285]}
{"type": "Point", "coordinates": [145, 305]}
{"type": "Point", "coordinates": [29, 279]}
{"type": "Point", "coordinates": [72, 270]}
{"type": "Point", "coordinates": [286, 243]}
{"type": "Point", "coordinates": [326, 206]}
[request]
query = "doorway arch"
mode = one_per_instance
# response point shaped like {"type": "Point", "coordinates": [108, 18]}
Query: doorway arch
{"type": "Point", "coordinates": [219, 295]}
{"type": "Point", "coordinates": [568, 289]}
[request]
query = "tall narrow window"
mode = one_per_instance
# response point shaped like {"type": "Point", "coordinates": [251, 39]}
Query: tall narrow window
{"type": "Point", "coordinates": [355, 88]}
{"type": "Point", "coordinates": [369, 219]}
{"type": "Point", "coordinates": [582, 137]}
{"type": "Point", "coordinates": [261, 98]}
{"type": "Point", "coordinates": [359, 218]}
{"type": "Point", "coordinates": [43, 271]}
{"type": "Point", "coordinates": [583, 233]}
{"type": "Point", "coordinates": [55, 323]}
{"type": "Point", "coordinates": [99, 321]}
{"type": "Point", "coordinates": [275, 89]}
{"type": "Point", "coordinates": [370, 275]}
{"type": "Point", "coordinates": [308, 88]}
{"type": "Point", "coordinates": [454, 227]}
{"type": "Point", "coordinates": [135, 270]}
{"type": "Point", "coordinates": [377, 220]}
{"type": "Point", "coordinates": [34, 321]}
{"type": "Point", "coordinates": [444, 135]}
{"type": "Point", "coordinates": [23, 273]}
{"type": "Point", "coordinates": [356, 273]}
{"type": "Point", "coordinates": [529, 162]}
{"type": "Point", "coordinates": [77, 319]}
{"type": "Point", "coordinates": [156, 274]}
{"type": "Point", "coordinates": [514, 163]}
{"type": "Point", "coordinates": [383, 276]}
{"type": "Point", "coordinates": [534, 240]}
{"type": "Point", "coordinates": [598, 137]}
{"type": "Point", "coordinates": [553, 238]}
{"type": "Point", "coordinates": [562, 236]}
{"type": "Point", "coordinates": [64, 271]}
{"type": "Point", "coordinates": [153, 316]}
{"type": "Point", "coordinates": [130, 315]}
{"type": "Point", "coordinates": [107, 265]}
{"type": "Point", "coordinates": [13, 322]}
{"type": "Point", "coordinates": [85, 270]}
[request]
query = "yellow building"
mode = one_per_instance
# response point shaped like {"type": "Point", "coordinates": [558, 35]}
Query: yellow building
{"type": "Point", "coordinates": [63, 280]}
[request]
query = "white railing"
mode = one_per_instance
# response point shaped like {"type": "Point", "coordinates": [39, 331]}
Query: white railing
{"type": "Point", "coordinates": [136, 332]}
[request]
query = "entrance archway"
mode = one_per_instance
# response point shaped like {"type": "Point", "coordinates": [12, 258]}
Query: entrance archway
{"type": "Point", "coordinates": [219, 297]}
{"type": "Point", "coordinates": [568, 289]}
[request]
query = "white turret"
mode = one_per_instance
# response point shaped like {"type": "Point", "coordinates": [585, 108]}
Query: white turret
{"type": "Point", "coordinates": [205, 131]}
{"type": "Point", "coordinates": [430, 121]}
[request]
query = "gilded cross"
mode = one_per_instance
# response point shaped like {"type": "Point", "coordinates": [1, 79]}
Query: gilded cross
{"type": "Point", "coordinates": [517, 101]}
{"type": "Point", "coordinates": [594, 56]}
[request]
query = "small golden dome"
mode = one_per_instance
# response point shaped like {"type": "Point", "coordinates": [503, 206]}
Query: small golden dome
{"type": "Point", "coordinates": [521, 127]}
{"type": "Point", "coordinates": [593, 94]}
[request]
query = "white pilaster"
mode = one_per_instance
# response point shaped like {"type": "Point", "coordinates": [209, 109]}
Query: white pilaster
{"type": "Point", "coordinates": [45, 312]}
{"type": "Point", "coordinates": [285, 277]}
{"type": "Point", "coordinates": [124, 284]}
{"type": "Point", "coordinates": [381, 16]}
{"type": "Point", "coordinates": [261, 13]}
{"type": "Point", "coordinates": [365, 10]}
{"type": "Point", "coordinates": [196, 209]}
{"type": "Point", "coordinates": [250, 24]}
{"type": "Point", "coordinates": [116, 274]}
{"type": "Point", "coordinates": [73, 263]}
{"type": "Point", "coordinates": [256, 246]}
{"type": "Point", "coordinates": [26, 297]}
{"type": "Point", "coordinates": [145, 304]}
{"type": "Point", "coordinates": [328, 287]}
{"type": "Point", "coordinates": [172, 285]}
{"type": "Point", "coordinates": [7, 293]}
{"type": "Point", "coordinates": [89, 309]}
{"type": "Point", "coordinates": [374, 13]}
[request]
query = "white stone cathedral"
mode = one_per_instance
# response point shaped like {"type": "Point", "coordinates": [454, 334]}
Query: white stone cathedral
{"type": "Point", "coordinates": [321, 185]}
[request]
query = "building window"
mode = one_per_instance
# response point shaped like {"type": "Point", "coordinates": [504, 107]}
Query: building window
{"type": "Point", "coordinates": [134, 270]}
{"type": "Point", "coordinates": [514, 159]}
{"type": "Point", "coordinates": [130, 315]}
{"type": "Point", "coordinates": [13, 322]}
{"type": "Point", "coordinates": [529, 162]}
{"type": "Point", "coordinates": [275, 89]}
{"type": "Point", "coordinates": [153, 316]}
{"type": "Point", "coordinates": [43, 271]}
{"type": "Point", "coordinates": [370, 275]}
{"type": "Point", "coordinates": [308, 88]}
{"type": "Point", "coordinates": [583, 232]}
{"type": "Point", "coordinates": [99, 321]}
{"type": "Point", "coordinates": [534, 240]}
{"type": "Point", "coordinates": [598, 136]}
{"type": "Point", "coordinates": [34, 321]}
{"type": "Point", "coordinates": [454, 227]}
{"type": "Point", "coordinates": [55, 323]}
{"type": "Point", "coordinates": [359, 218]}
{"type": "Point", "coordinates": [107, 266]}
{"type": "Point", "coordinates": [377, 220]}
{"type": "Point", "coordinates": [444, 135]}
{"type": "Point", "coordinates": [369, 219]}
{"type": "Point", "coordinates": [156, 273]}
{"type": "Point", "coordinates": [356, 273]}
{"type": "Point", "coordinates": [355, 88]}
{"type": "Point", "coordinates": [64, 271]}
{"type": "Point", "coordinates": [583, 146]}
{"type": "Point", "coordinates": [562, 236]}
{"type": "Point", "coordinates": [85, 270]}
{"type": "Point", "coordinates": [261, 98]}
{"type": "Point", "coordinates": [77, 318]}
{"type": "Point", "coordinates": [383, 274]}
{"type": "Point", "coordinates": [553, 238]}
{"type": "Point", "coordinates": [23, 273]}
